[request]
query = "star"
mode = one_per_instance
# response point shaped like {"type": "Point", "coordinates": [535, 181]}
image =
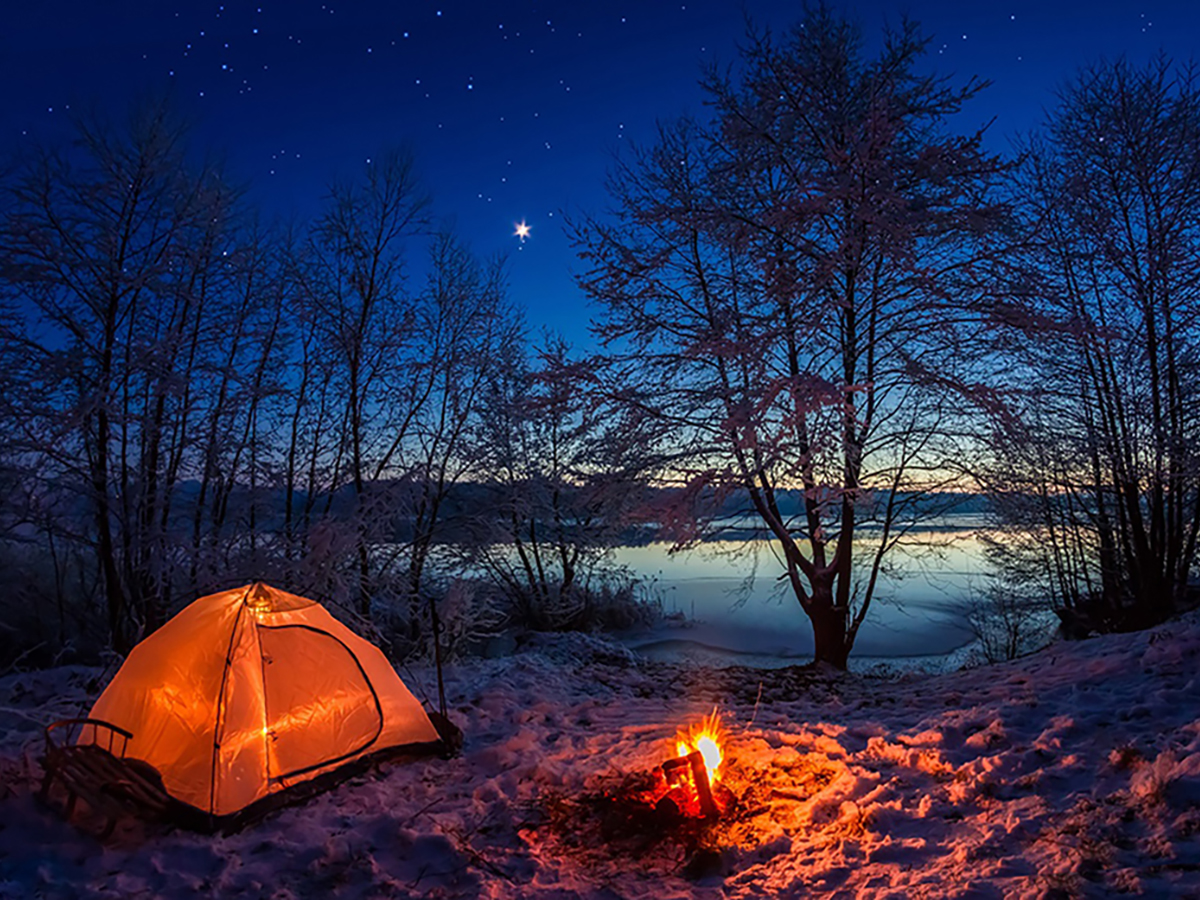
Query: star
{"type": "Point", "coordinates": [522, 230]}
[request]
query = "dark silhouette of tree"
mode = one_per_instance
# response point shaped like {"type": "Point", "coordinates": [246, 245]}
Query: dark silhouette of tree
{"type": "Point", "coordinates": [393, 371]}
{"type": "Point", "coordinates": [564, 479]}
{"type": "Point", "coordinates": [353, 279]}
{"type": "Point", "coordinates": [784, 291]}
{"type": "Point", "coordinates": [465, 320]}
{"type": "Point", "coordinates": [1098, 473]}
{"type": "Point", "coordinates": [113, 245]}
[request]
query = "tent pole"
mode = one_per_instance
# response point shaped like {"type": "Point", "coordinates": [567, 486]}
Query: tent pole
{"type": "Point", "coordinates": [437, 655]}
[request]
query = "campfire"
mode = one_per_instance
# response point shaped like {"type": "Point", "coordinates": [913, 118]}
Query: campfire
{"type": "Point", "coordinates": [693, 810]}
{"type": "Point", "coordinates": [688, 784]}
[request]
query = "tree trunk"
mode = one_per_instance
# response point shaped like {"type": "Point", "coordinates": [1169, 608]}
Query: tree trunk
{"type": "Point", "coordinates": [830, 643]}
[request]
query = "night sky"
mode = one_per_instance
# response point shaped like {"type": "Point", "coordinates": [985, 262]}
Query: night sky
{"type": "Point", "coordinates": [513, 109]}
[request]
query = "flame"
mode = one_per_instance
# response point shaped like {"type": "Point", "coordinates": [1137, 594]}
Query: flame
{"type": "Point", "coordinates": [705, 737]}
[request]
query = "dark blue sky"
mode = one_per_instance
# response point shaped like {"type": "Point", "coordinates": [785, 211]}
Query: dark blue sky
{"type": "Point", "coordinates": [513, 109]}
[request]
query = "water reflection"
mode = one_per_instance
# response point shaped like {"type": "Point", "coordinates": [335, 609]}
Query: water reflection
{"type": "Point", "coordinates": [744, 613]}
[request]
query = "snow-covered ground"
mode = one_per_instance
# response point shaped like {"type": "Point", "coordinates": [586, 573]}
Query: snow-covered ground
{"type": "Point", "coordinates": [1075, 772]}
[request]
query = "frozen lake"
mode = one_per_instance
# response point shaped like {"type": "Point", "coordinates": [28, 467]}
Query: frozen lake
{"type": "Point", "coordinates": [739, 612]}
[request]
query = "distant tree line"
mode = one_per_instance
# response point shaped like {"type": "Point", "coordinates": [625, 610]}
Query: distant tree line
{"type": "Point", "coordinates": [822, 285]}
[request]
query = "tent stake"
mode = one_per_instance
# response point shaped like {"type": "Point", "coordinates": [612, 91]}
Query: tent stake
{"type": "Point", "coordinates": [437, 655]}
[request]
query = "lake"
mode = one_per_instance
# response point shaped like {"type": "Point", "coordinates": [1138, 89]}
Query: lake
{"type": "Point", "coordinates": [918, 617]}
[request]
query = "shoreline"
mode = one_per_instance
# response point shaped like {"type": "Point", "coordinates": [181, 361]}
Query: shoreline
{"type": "Point", "coordinates": [699, 652]}
{"type": "Point", "coordinates": [936, 644]}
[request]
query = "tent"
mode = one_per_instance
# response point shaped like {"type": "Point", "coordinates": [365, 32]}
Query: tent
{"type": "Point", "coordinates": [252, 691]}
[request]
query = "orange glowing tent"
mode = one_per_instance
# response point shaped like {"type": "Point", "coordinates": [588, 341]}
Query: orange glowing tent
{"type": "Point", "coordinates": [252, 691]}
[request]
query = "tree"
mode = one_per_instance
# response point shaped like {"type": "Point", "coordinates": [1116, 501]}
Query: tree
{"type": "Point", "coordinates": [195, 401]}
{"type": "Point", "coordinates": [1099, 464]}
{"type": "Point", "coordinates": [393, 371]}
{"type": "Point", "coordinates": [108, 245]}
{"type": "Point", "coordinates": [563, 480]}
{"type": "Point", "coordinates": [235, 383]}
{"type": "Point", "coordinates": [464, 320]}
{"type": "Point", "coordinates": [785, 293]}
{"type": "Point", "coordinates": [353, 282]}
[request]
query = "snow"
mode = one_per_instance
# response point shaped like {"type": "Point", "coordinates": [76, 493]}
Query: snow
{"type": "Point", "coordinates": [1073, 772]}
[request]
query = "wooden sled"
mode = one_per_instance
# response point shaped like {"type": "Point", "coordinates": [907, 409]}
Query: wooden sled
{"type": "Point", "coordinates": [87, 757]}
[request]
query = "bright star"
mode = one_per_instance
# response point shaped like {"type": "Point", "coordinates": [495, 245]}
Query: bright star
{"type": "Point", "coordinates": [522, 230]}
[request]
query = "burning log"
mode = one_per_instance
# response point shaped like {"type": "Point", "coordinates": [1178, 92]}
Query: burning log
{"type": "Point", "coordinates": [675, 770]}
{"type": "Point", "coordinates": [688, 786]}
{"type": "Point", "coordinates": [708, 806]}
{"type": "Point", "coordinates": [687, 779]}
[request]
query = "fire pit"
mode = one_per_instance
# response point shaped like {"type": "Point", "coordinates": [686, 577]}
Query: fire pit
{"type": "Point", "coordinates": [693, 812]}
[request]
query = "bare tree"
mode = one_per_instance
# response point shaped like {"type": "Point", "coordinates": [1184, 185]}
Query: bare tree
{"type": "Point", "coordinates": [564, 480]}
{"type": "Point", "coordinates": [239, 377]}
{"type": "Point", "coordinates": [227, 404]}
{"type": "Point", "coordinates": [105, 242]}
{"type": "Point", "coordinates": [393, 372]}
{"type": "Point", "coordinates": [309, 461]}
{"type": "Point", "coordinates": [1100, 465]}
{"type": "Point", "coordinates": [353, 280]}
{"type": "Point", "coordinates": [464, 321]}
{"type": "Point", "coordinates": [784, 292]}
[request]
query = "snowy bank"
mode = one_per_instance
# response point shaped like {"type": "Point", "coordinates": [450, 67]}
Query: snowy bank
{"type": "Point", "coordinates": [1075, 772]}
